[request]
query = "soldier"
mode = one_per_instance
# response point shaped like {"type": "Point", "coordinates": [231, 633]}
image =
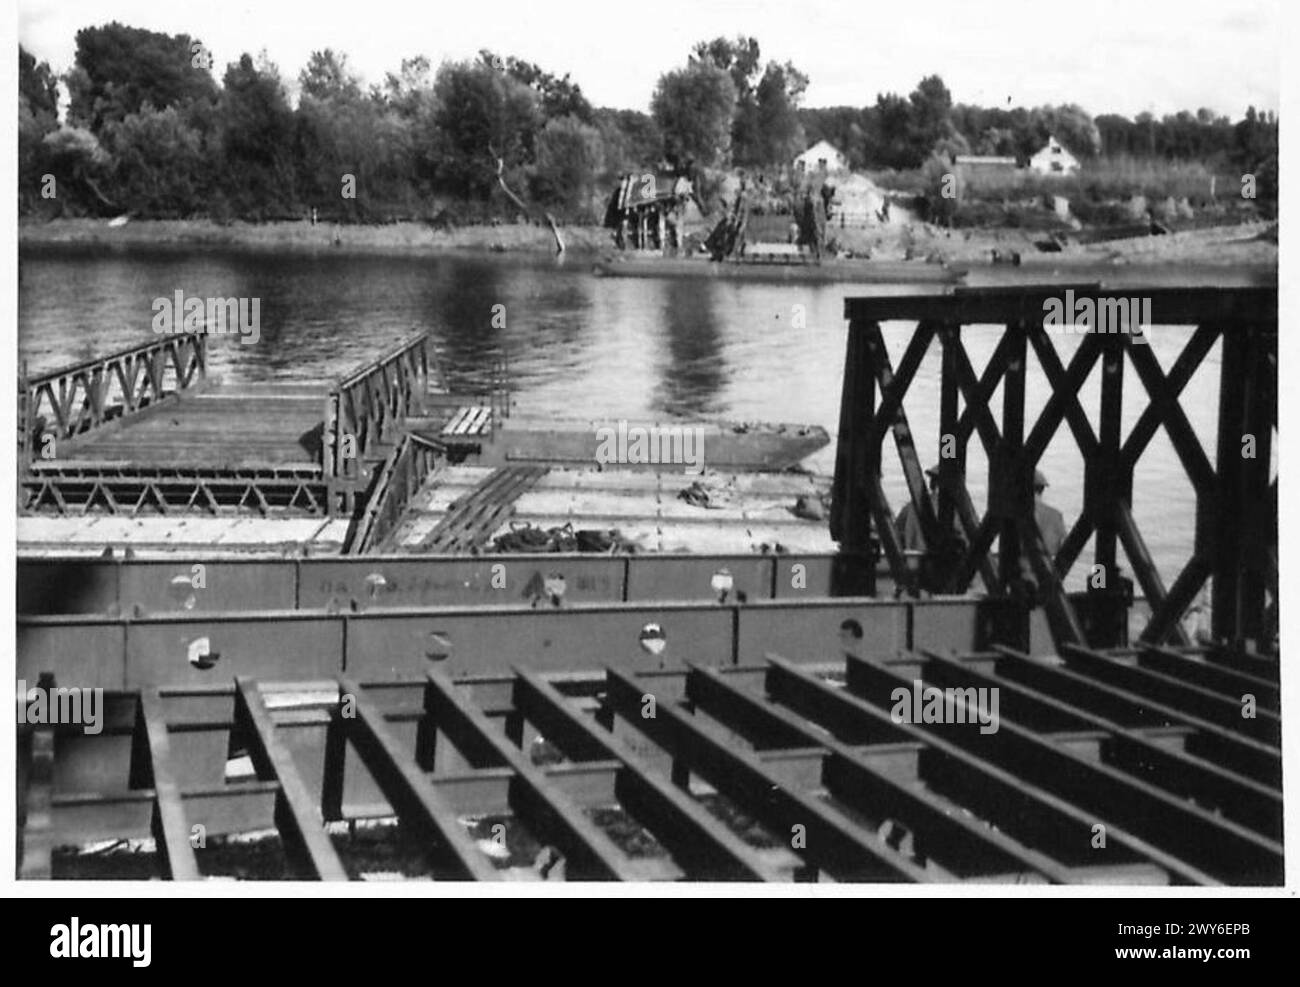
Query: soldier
{"type": "Point", "coordinates": [1050, 521]}
{"type": "Point", "coordinates": [908, 524]}
{"type": "Point", "coordinates": [810, 227]}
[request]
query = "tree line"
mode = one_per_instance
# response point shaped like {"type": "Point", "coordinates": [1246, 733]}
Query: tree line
{"type": "Point", "coordinates": [901, 133]}
{"type": "Point", "coordinates": [149, 131]}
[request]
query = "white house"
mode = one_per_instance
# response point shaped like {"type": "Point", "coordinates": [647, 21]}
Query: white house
{"type": "Point", "coordinates": [822, 156]}
{"type": "Point", "coordinates": [1054, 159]}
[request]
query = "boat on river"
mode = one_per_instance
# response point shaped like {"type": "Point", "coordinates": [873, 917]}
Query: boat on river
{"type": "Point", "coordinates": [782, 269]}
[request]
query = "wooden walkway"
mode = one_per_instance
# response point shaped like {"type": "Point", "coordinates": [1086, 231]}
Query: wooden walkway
{"type": "Point", "coordinates": [216, 426]}
{"type": "Point", "coordinates": [143, 430]}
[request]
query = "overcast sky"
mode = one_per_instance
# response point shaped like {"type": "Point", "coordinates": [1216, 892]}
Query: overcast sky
{"type": "Point", "coordinates": [1121, 56]}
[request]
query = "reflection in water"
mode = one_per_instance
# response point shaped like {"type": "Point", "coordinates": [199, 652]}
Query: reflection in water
{"type": "Point", "coordinates": [580, 346]}
{"type": "Point", "coordinates": [690, 385]}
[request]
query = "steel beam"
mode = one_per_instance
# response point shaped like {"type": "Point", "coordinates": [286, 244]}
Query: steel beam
{"type": "Point", "coordinates": [1113, 796]}
{"type": "Point", "coordinates": [1250, 757]}
{"type": "Point", "coordinates": [834, 843]}
{"type": "Point", "coordinates": [1227, 711]}
{"type": "Point", "coordinates": [707, 849]}
{"type": "Point", "coordinates": [298, 815]}
{"type": "Point", "coordinates": [1030, 811]}
{"type": "Point", "coordinates": [1228, 682]}
{"type": "Point", "coordinates": [590, 854]}
{"type": "Point", "coordinates": [170, 827]}
{"type": "Point", "coordinates": [1253, 297]}
{"type": "Point", "coordinates": [1242, 799]}
{"type": "Point", "coordinates": [956, 842]}
{"type": "Point", "coordinates": [419, 805]}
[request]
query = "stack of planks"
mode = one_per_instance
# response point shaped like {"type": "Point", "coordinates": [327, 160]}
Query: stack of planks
{"type": "Point", "coordinates": [471, 521]}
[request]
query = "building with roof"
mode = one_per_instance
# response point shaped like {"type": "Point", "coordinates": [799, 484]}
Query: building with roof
{"type": "Point", "coordinates": [1054, 159]}
{"type": "Point", "coordinates": [821, 157]}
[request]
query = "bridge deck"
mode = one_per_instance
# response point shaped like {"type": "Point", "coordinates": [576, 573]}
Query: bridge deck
{"type": "Point", "coordinates": [214, 425]}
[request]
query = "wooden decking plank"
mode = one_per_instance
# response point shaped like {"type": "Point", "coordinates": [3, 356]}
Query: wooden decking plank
{"type": "Point", "coordinates": [475, 517]}
{"type": "Point", "coordinates": [453, 424]}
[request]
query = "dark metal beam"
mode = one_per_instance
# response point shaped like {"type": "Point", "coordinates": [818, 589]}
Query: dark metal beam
{"type": "Point", "coordinates": [1184, 305]}
{"type": "Point", "coordinates": [298, 816]}
{"type": "Point", "coordinates": [1229, 682]}
{"type": "Point", "coordinates": [708, 849]}
{"type": "Point", "coordinates": [1033, 812]}
{"type": "Point", "coordinates": [833, 843]}
{"type": "Point", "coordinates": [418, 804]}
{"type": "Point", "coordinates": [170, 827]}
{"type": "Point", "coordinates": [955, 841]}
{"type": "Point", "coordinates": [591, 854]}
{"type": "Point", "coordinates": [1265, 726]}
{"type": "Point", "coordinates": [1248, 802]}
{"type": "Point", "coordinates": [1228, 748]}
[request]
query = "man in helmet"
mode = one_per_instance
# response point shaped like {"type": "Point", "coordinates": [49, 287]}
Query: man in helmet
{"type": "Point", "coordinates": [908, 522]}
{"type": "Point", "coordinates": [1050, 521]}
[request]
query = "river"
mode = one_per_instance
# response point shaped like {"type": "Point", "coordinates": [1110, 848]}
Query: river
{"type": "Point", "coordinates": [578, 345]}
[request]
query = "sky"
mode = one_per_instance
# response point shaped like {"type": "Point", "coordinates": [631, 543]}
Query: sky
{"type": "Point", "coordinates": [1110, 56]}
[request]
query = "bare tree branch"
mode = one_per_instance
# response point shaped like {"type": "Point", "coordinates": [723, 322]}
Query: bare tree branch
{"type": "Point", "coordinates": [550, 220]}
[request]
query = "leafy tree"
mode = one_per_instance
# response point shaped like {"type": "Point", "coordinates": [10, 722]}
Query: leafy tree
{"type": "Point", "coordinates": [410, 98]}
{"type": "Point", "coordinates": [37, 85]}
{"type": "Point", "coordinates": [38, 115]}
{"type": "Point", "coordinates": [570, 159]}
{"type": "Point", "coordinates": [631, 139]}
{"type": "Point", "coordinates": [560, 96]}
{"type": "Point", "coordinates": [693, 108]}
{"type": "Point", "coordinates": [1072, 126]}
{"type": "Point", "coordinates": [741, 60]}
{"type": "Point", "coordinates": [780, 134]}
{"type": "Point", "coordinates": [765, 126]}
{"type": "Point", "coordinates": [327, 77]}
{"type": "Point", "coordinates": [483, 115]}
{"type": "Point", "coordinates": [892, 138]}
{"type": "Point", "coordinates": [942, 188]}
{"type": "Point", "coordinates": [256, 139]}
{"type": "Point", "coordinates": [1257, 152]}
{"type": "Point", "coordinates": [79, 165]}
{"type": "Point", "coordinates": [929, 107]}
{"type": "Point", "coordinates": [119, 69]}
{"type": "Point", "coordinates": [159, 165]}
{"type": "Point", "coordinates": [410, 91]}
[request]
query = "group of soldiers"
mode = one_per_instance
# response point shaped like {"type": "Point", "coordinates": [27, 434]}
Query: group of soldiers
{"type": "Point", "coordinates": [1049, 521]}
{"type": "Point", "coordinates": [808, 229]}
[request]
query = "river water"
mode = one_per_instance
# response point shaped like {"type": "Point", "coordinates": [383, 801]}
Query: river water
{"type": "Point", "coordinates": [578, 345]}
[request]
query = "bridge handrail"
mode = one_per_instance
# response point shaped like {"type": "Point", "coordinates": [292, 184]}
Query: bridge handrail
{"type": "Point", "coordinates": [78, 396]}
{"type": "Point", "coordinates": [400, 479]}
{"type": "Point", "coordinates": [367, 406]}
